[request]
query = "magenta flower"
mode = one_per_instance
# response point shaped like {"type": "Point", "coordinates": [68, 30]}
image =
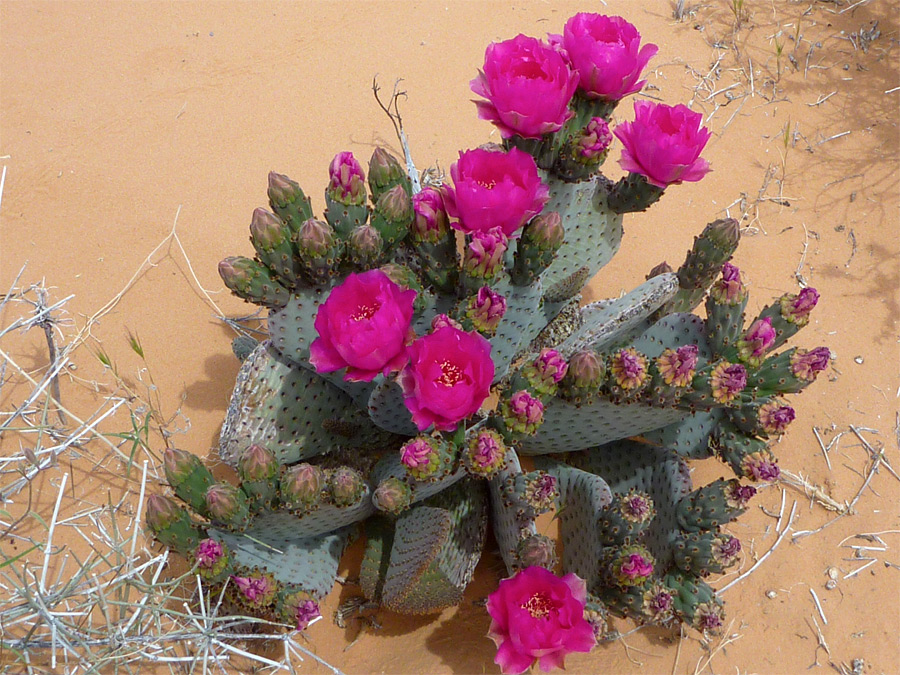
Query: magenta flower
{"type": "Point", "coordinates": [495, 189]}
{"type": "Point", "coordinates": [636, 566]}
{"type": "Point", "coordinates": [485, 453]}
{"type": "Point", "coordinates": [346, 180]}
{"type": "Point", "coordinates": [256, 591]}
{"type": "Point", "coordinates": [483, 257]}
{"type": "Point", "coordinates": [606, 51]}
{"type": "Point", "coordinates": [416, 453]}
{"type": "Point", "coordinates": [664, 143]}
{"type": "Point", "coordinates": [538, 616]}
{"type": "Point", "coordinates": [523, 413]}
{"type": "Point", "coordinates": [363, 326]}
{"type": "Point", "coordinates": [594, 140]}
{"type": "Point", "coordinates": [528, 86]}
{"type": "Point", "coordinates": [208, 553]}
{"type": "Point", "coordinates": [448, 377]}
{"type": "Point", "coordinates": [307, 610]}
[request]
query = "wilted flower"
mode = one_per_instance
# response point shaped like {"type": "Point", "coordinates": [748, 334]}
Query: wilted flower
{"type": "Point", "coordinates": [677, 366]}
{"type": "Point", "coordinates": [629, 368]}
{"type": "Point", "coordinates": [774, 416]}
{"type": "Point", "coordinates": [806, 365]}
{"type": "Point", "coordinates": [727, 381]}
{"type": "Point", "coordinates": [797, 308]}
{"type": "Point", "coordinates": [729, 289]}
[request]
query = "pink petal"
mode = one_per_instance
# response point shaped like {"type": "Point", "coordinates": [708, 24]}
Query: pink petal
{"type": "Point", "coordinates": [324, 358]}
{"type": "Point", "coordinates": [512, 662]}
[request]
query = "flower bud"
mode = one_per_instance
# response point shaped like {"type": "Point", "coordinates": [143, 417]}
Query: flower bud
{"type": "Point", "coordinates": [546, 371]}
{"type": "Point", "coordinates": [431, 222]}
{"type": "Point", "coordinates": [678, 366]}
{"type": "Point", "coordinates": [725, 233]}
{"type": "Point", "coordinates": [223, 502]}
{"type": "Point", "coordinates": [758, 339]}
{"type": "Point", "coordinates": [485, 309]}
{"type": "Point", "coordinates": [636, 507]}
{"type": "Point", "coordinates": [523, 413]}
{"type": "Point", "coordinates": [540, 491]}
{"type": "Point", "coordinates": [365, 243]}
{"type": "Point", "coordinates": [347, 486]}
{"type": "Point", "coordinates": [729, 289]}
{"type": "Point", "coordinates": [395, 205]}
{"type": "Point", "coordinates": [314, 238]}
{"type": "Point", "coordinates": [546, 231]}
{"type": "Point", "coordinates": [586, 370]}
{"type": "Point", "coordinates": [301, 485]}
{"type": "Point", "coordinates": [806, 365]}
{"type": "Point", "coordinates": [266, 230]}
{"type": "Point", "coordinates": [384, 170]}
{"type": "Point", "coordinates": [257, 464]}
{"type": "Point", "coordinates": [162, 512]}
{"type": "Point", "coordinates": [632, 566]}
{"type": "Point", "coordinates": [485, 454]}
{"type": "Point", "coordinates": [237, 273]}
{"type": "Point", "coordinates": [592, 144]}
{"type": "Point", "coordinates": [797, 308]}
{"type": "Point", "coordinates": [392, 496]}
{"type": "Point", "coordinates": [442, 320]}
{"type": "Point", "coordinates": [283, 191]}
{"type": "Point", "coordinates": [346, 180]}
{"type": "Point", "coordinates": [179, 465]}
{"type": "Point", "coordinates": [257, 590]}
{"type": "Point", "coordinates": [483, 257]}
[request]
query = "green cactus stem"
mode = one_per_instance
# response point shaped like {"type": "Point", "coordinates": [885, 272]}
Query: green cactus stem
{"type": "Point", "coordinates": [625, 517]}
{"type": "Point", "coordinates": [632, 194]}
{"type": "Point", "coordinates": [253, 282]}
{"type": "Point", "coordinates": [541, 239]}
{"type": "Point", "coordinates": [171, 524]}
{"type": "Point", "coordinates": [713, 505]}
{"type": "Point", "coordinates": [188, 476]}
{"type": "Point", "coordinates": [288, 200]}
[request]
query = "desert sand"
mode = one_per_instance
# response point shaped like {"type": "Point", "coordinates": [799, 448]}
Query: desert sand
{"type": "Point", "coordinates": [135, 139]}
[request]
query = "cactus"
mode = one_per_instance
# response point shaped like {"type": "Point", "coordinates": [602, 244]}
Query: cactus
{"type": "Point", "coordinates": [415, 434]}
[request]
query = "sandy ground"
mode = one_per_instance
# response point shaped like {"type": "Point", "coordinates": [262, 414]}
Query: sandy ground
{"type": "Point", "coordinates": [119, 119]}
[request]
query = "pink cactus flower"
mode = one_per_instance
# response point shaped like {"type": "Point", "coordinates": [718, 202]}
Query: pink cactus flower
{"type": "Point", "coordinates": [664, 143]}
{"type": "Point", "coordinates": [208, 553]}
{"type": "Point", "coordinates": [636, 566]}
{"type": "Point", "coordinates": [448, 377]}
{"type": "Point", "coordinates": [307, 610]}
{"type": "Point", "coordinates": [486, 453]}
{"type": "Point", "coordinates": [528, 86]}
{"type": "Point", "coordinates": [495, 189]}
{"type": "Point", "coordinates": [797, 308]}
{"type": "Point", "coordinates": [551, 365]}
{"type": "Point", "coordinates": [347, 182]}
{"type": "Point", "coordinates": [485, 310]}
{"type": "Point", "coordinates": [729, 289]}
{"type": "Point", "coordinates": [257, 590]}
{"type": "Point", "coordinates": [538, 616]}
{"type": "Point", "coordinates": [483, 257]}
{"type": "Point", "coordinates": [363, 326]}
{"type": "Point", "coordinates": [606, 51]}
{"type": "Point", "coordinates": [442, 320]}
{"type": "Point", "coordinates": [416, 453]}
{"type": "Point", "coordinates": [523, 412]}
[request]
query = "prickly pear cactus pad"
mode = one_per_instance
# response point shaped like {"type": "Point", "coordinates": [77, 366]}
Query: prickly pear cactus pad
{"type": "Point", "coordinates": [430, 374]}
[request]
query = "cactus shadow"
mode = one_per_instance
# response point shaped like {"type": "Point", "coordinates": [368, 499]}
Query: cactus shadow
{"type": "Point", "coordinates": [213, 392]}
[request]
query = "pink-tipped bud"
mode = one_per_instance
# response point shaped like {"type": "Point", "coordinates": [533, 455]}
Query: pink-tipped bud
{"type": "Point", "coordinates": [523, 413]}
{"type": "Point", "coordinates": [483, 257]}
{"type": "Point", "coordinates": [540, 491]}
{"type": "Point", "coordinates": [418, 453]}
{"type": "Point", "coordinates": [314, 238]}
{"type": "Point", "coordinates": [384, 169]}
{"type": "Point", "coordinates": [392, 496]}
{"type": "Point", "coordinates": [431, 222]}
{"type": "Point", "coordinates": [729, 289]}
{"type": "Point", "coordinates": [162, 512]}
{"type": "Point", "coordinates": [222, 501]}
{"type": "Point", "coordinates": [282, 190]}
{"type": "Point", "coordinates": [586, 370]}
{"type": "Point", "coordinates": [302, 485]}
{"type": "Point", "coordinates": [442, 320]}
{"type": "Point", "coordinates": [758, 339]}
{"type": "Point", "coordinates": [546, 231]}
{"type": "Point", "coordinates": [806, 365]}
{"type": "Point", "coordinates": [395, 205]}
{"type": "Point", "coordinates": [592, 144]}
{"type": "Point", "coordinates": [178, 465]}
{"type": "Point", "coordinates": [727, 381]}
{"type": "Point", "coordinates": [257, 463]}
{"type": "Point", "coordinates": [629, 368]}
{"type": "Point", "coordinates": [346, 180]}
{"type": "Point", "coordinates": [678, 366]}
{"type": "Point", "coordinates": [485, 454]}
{"type": "Point", "coordinates": [797, 308]}
{"type": "Point", "coordinates": [237, 272]}
{"type": "Point", "coordinates": [485, 309]}
{"type": "Point", "coordinates": [266, 230]}
{"type": "Point", "coordinates": [775, 416]}
{"type": "Point", "coordinates": [550, 365]}
{"type": "Point", "coordinates": [633, 565]}
{"type": "Point", "coordinates": [365, 241]}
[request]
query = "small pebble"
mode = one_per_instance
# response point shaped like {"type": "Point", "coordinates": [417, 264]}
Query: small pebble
{"type": "Point", "coordinates": [771, 594]}
{"type": "Point", "coordinates": [830, 585]}
{"type": "Point", "coordinates": [858, 359]}
{"type": "Point", "coordinates": [832, 573]}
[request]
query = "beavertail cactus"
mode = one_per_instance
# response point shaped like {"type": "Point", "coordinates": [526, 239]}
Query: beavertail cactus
{"type": "Point", "coordinates": [430, 372]}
